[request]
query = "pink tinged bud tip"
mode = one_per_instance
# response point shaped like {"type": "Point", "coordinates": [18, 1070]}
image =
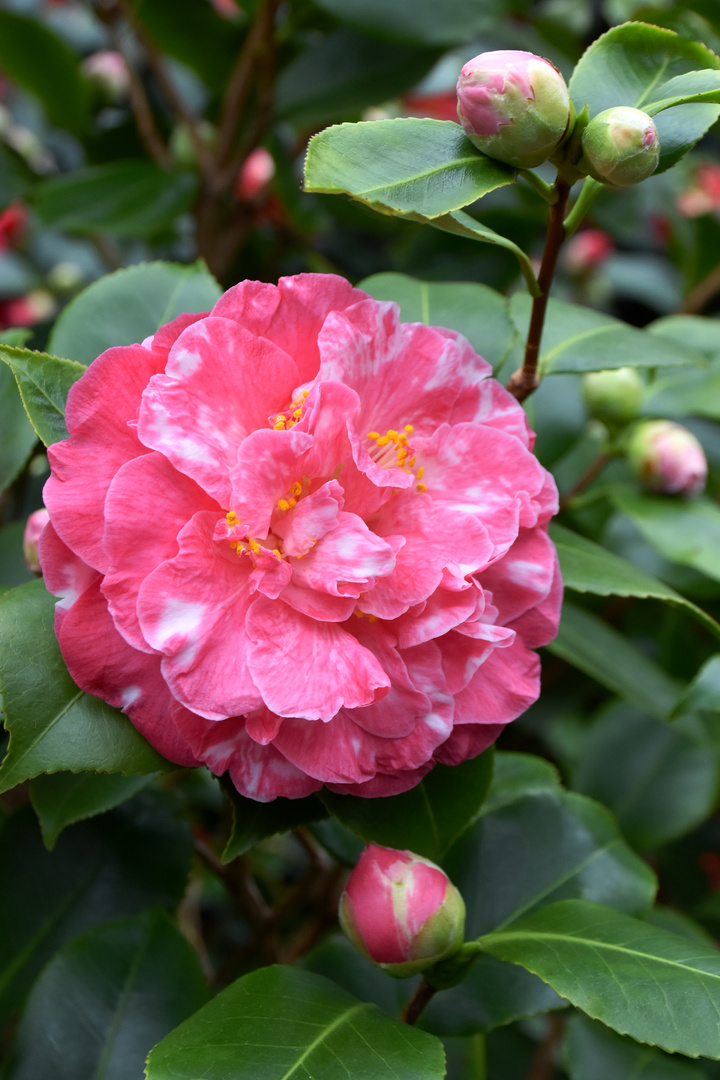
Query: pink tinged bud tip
{"type": "Point", "coordinates": [514, 106]}
{"type": "Point", "coordinates": [401, 911]}
{"type": "Point", "coordinates": [667, 458]}
{"type": "Point", "coordinates": [620, 146]}
{"type": "Point", "coordinates": [33, 530]}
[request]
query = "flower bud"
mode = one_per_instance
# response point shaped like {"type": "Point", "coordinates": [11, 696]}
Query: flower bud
{"type": "Point", "coordinates": [108, 71]}
{"type": "Point", "coordinates": [586, 250]}
{"type": "Point", "coordinates": [621, 146]}
{"type": "Point", "coordinates": [401, 911]}
{"type": "Point", "coordinates": [613, 396]}
{"type": "Point", "coordinates": [667, 458]}
{"type": "Point", "coordinates": [35, 525]}
{"type": "Point", "coordinates": [514, 106]}
{"type": "Point", "coordinates": [256, 173]}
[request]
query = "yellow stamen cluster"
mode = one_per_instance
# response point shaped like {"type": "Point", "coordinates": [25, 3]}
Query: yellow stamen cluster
{"type": "Point", "coordinates": [364, 615]}
{"type": "Point", "coordinates": [392, 450]}
{"type": "Point", "coordinates": [248, 543]}
{"type": "Point", "coordinates": [295, 493]}
{"type": "Point", "coordinates": [284, 421]}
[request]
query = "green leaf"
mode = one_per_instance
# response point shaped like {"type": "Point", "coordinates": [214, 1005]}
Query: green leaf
{"type": "Point", "coordinates": [129, 305]}
{"type": "Point", "coordinates": [461, 224]}
{"type": "Point", "coordinates": [53, 724]}
{"type": "Point", "coordinates": [61, 799]}
{"type": "Point", "coordinates": [13, 569]}
{"type": "Point", "coordinates": [406, 167]}
{"type": "Point", "coordinates": [455, 22]}
{"type": "Point", "coordinates": [132, 858]}
{"type": "Point", "coordinates": [591, 1052]}
{"type": "Point", "coordinates": [703, 693]}
{"type": "Point", "coordinates": [628, 65]}
{"type": "Point", "coordinates": [207, 43]}
{"type": "Point", "coordinates": [281, 1022]}
{"type": "Point", "coordinates": [44, 382]}
{"type": "Point", "coordinates": [476, 311]}
{"type": "Point", "coordinates": [254, 821]}
{"type": "Point", "coordinates": [639, 980]}
{"type": "Point", "coordinates": [592, 646]}
{"type": "Point", "coordinates": [122, 198]}
{"type": "Point", "coordinates": [104, 1001]}
{"type": "Point", "coordinates": [684, 89]}
{"type": "Point", "coordinates": [659, 782]}
{"type": "Point", "coordinates": [36, 59]}
{"type": "Point", "coordinates": [336, 959]}
{"type": "Point", "coordinates": [517, 775]}
{"type": "Point", "coordinates": [577, 339]}
{"type": "Point", "coordinates": [18, 438]}
{"type": "Point", "coordinates": [699, 331]}
{"type": "Point", "coordinates": [428, 818]}
{"type": "Point", "coordinates": [344, 72]}
{"type": "Point", "coordinates": [589, 568]}
{"type": "Point", "coordinates": [694, 393]}
{"type": "Point", "coordinates": [685, 531]}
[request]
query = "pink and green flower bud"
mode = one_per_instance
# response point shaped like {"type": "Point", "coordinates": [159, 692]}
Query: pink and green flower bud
{"type": "Point", "coordinates": [667, 458]}
{"type": "Point", "coordinates": [621, 146]}
{"type": "Point", "coordinates": [33, 531]}
{"type": "Point", "coordinates": [401, 911]}
{"type": "Point", "coordinates": [614, 396]}
{"type": "Point", "coordinates": [514, 106]}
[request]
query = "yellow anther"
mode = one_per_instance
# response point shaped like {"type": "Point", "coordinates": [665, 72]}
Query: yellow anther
{"type": "Point", "coordinates": [383, 440]}
{"type": "Point", "coordinates": [373, 618]}
{"type": "Point", "coordinates": [291, 423]}
{"type": "Point", "coordinates": [234, 544]}
{"type": "Point", "coordinates": [421, 487]}
{"type": "Point", "coordinates": [391, 433]}
{"type": "Point", "coordinates": [279, 425]}
{"type": "Point", "coordinates": [277, 552]}
{"type": "Point", "coordinates": [230, 517]}
{"type": "Point", "coordinates": [296, 489]}
{"type": "Point", "coordinates": [359, 614]}
{"type": "Point", "coordinates": [409, 429]}
{"type": "Point", "coordinates": [305, 394]}
{"type": "Point", "coordinates": [283, 504]}
{"type": "Point", "coordinates": [253, 545]}
{"type": "Point", "coordinates": [411, 462]}
{"type": "Point", "coordinates": [373, 434]}
{"type": "Point", "coordinates": [421, 472]}
{"type": "Point", "coordinates": [297, 413]}
{"type": "Point", "coordinates": [292, 502]}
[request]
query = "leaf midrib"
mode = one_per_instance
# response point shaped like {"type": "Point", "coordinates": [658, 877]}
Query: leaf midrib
{"type": "Point", "coordinates": [323, 1036]}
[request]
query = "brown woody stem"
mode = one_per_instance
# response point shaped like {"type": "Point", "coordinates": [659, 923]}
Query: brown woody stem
{"type": "Point", "coordinates": [526, 379]}
{"type": "Point", "coordinates": [417, 1002]}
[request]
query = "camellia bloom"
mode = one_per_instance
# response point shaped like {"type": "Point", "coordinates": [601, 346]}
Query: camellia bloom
{"type": "Point", "coordinates": [514, 106]}
{"type": "Point", "coordinates": [401, 911]}
{"type": "Point", "coordinates": [302, 542]}
{"type": "Point", "coordinates": [621, 146]}
{"type": "Point", "coordinates": [667, 458]}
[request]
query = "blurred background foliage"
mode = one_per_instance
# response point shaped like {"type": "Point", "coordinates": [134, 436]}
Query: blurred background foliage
{"type": "Point", "coordinates": [142, 130]}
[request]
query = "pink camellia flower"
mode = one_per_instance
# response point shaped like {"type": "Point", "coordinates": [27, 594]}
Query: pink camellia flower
{"type": "Point", "coordinates": [703, 197]}
{"type": "Point", "coordinates": [514, 106]}
{"type": "Point", "coordinates": [256, 173]}
{"type": "Point", "coordinates": [667, 458]}
{"type": "Point", "coordinates": [586, 250]}
{"type": "Point", "coordinates": [299, 541]}
{"type": "Point", "coordinates": [33, 531]}
{"type": "Point", "coordinates": [401, 911]}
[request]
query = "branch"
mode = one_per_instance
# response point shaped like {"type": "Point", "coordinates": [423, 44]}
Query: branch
{"type": "Point", "coordinates": [417, 1002]}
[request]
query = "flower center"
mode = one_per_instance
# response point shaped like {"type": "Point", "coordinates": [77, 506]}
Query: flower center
{"type": "Point", "coordinates": [393, 451]}
{"type": "Point", "coordinates": [285, 420]}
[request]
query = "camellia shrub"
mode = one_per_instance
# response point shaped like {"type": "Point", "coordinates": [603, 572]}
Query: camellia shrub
{"type": "Point", "coordinates": [359, 573]}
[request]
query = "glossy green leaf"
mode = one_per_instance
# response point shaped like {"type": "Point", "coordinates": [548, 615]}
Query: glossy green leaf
{"type": "Point", "coordinates": [592, 1052]}
{"type": "Point", "coordinates": [592, 646]}
{"type": "Point", "coordinates": [282, 1022]}
{"type": "Point", "coordinates": [43, 381]}
{"type": "Point", "coordinates": [658, 781]}
{"type": "Point", "coordinates": [428, 818]}
{"type": "Point", "coordinates": [132, 858]}
{"type": "Point", "coordinates": [32, 56]}
{"type": "Point", "coordinates": [13, 569]}
{"type": "Point", "coordinates": [684, 531]}
{"type": "Point", "coordinates": [344, 72]}
{"type": "Point", "coordinates": [122, 198]}
{"type": "Point", "coordinates": [578, 339]}
{"type": "Point", "coordinates": [694, 393]}
{"type": "Point", "coordinates": [254, 821]}
{"type": "Point", "coordinates": [476, 311]}
{"type": "Point", "coordinates": [628, 64]}
{"type": "Point", "coordinates": [699, 331]}
{"type": "Point", "coordinates": [18, 436]}
{"type": "Point", "coordinates": [455, 22]}
{"type": "Point", "coordinates": [129, 305]}
{"type": "Point", "coordinates": [336, 959]}
{"type": "Point", "coordinates": [54, 725]}
{"type": "Point", "coordinates": [589, 568]}
{"type": "Point", "coordinates": [105, 1000]}
{"type": "Point", "coordinates": [61, 799]}
{"type": "Point", "coordinates": [703, 693]}
{"type": "Point", "coordinates": [408, 166]}
{"type": "Point", "coordinates": [618, 970]}
{"type": "Point", "coordinates": [685, 89]}
{"type": "Point", "coordinates": [517, 775]}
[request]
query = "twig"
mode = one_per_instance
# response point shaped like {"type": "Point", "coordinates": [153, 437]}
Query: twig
{"type": "Point", "coordinates": [701, 294]}
{"type": "Point", "coordinates": [590, 474]}
{"type": "Point", "coordinates": [543, 1065]}
{"type": "Point", "coordinates": [241, 887]}
{"type": "Point", "coordinates": [526, 379]}
{"type": "Point", "coordinates": [417, 1002]}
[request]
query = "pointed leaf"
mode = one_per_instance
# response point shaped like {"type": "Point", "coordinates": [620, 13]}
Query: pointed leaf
{"type": "Point", "coordinates": [684, 89]}
{"type": "Point", "coordinates": [476, 311]}
{"type": "Point", "coordinates": [61, 799]}
{"type": "Point", "coordinates": [644, 982]}
{"type": "Point", "coordinates": [130, 305]}
{"type": "Point", "coordinates": [625, 67]}
{"type": "Point", "coordinates": [406, 166]}
{"type": "Point", "coordinates": [456, 22]}
{"type": "Point", "coordinates": [684, 531]}
{"type": "Point", "coordinates": [44, 382]}
{"type": "Point", "coordinates": [54, 725]}
{"type": "Point", "coordinates": [703, 693]}
{"type": "Point", "coordinates": [280, 1023]}
{"type": "Point", "coordinates": [591, 1052]}
{"type": "Point", "coordinates": [104, 1001]}
{"type": "Point", "coordinates": [18, 436]}
{"type": "Point", "coordinates": [461, 224]}
{"type": "Point", "coordinates": [589, 568]}
{"type": "Point", "coordinates": [428, 818]}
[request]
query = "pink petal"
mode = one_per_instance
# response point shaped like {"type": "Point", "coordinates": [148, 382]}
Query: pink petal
{"type": "Point", "coordinates": [442, 611]}
{"type": "Point", "coordinates": [383, 784]}
{"type": "Point", "coordinates": [346, 561]}
{"type": "Point", "coordinates": [65, 575]}
{"type": "Point", "coordinates": [310, 520]}
{"type": "Point", "coordinates": [467, 742]}
{"type": "Point", "coordinates": [201, 409]}
{"type": "Point", "coordinates": [524, 577]}
{"type": "Point", "coordinates": [163, 341]}
{"type": "Point", "coordinates": [268, 463]}
{"type": "Point", "coordinates": [502, 689]}
{"type": "Point", "coordinates": [192, 608]}
{"type": "Point", "coordinates": [306, 668]}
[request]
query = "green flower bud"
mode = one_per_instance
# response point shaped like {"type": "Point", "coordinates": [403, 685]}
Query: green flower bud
{"type": "Point", "coordinates": [620, 146]}
{"type": "Point", "coordinates": [613, 396]}
{"type": "Point", "coordinates": [667, 458]}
